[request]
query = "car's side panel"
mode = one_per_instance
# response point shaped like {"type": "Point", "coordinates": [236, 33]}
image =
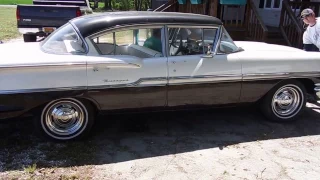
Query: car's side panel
{"type": "Point", "coordinates": [14, 104]}
{"type": "Point", "coordinates": [126, 82]}
{"type": "Point", "coordinates": [39, 77]}
{"type": "Point", "coordinates": [29, 85]}
{"type": "Point", "coordinates": [194, 80]}
{"type": "Point", "coordinates": [264, 67]}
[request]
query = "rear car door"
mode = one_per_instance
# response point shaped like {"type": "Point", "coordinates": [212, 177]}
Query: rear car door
{"type": "Point", "coordinates": [130, 71]}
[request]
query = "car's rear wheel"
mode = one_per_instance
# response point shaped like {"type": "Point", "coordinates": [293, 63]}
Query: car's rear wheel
{"type": "Point", "coordinates": [285, 102]}
{"type": "Point", "coordinates": [66, 119]}
{"type": "Point", "coordinates": [29, 38]}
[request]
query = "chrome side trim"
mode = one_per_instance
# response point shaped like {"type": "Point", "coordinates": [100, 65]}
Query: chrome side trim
{"type": "Point", "coordinates": [42, 65]}
{"type": "Point", "coordinates": [143, 82]}
{"type": "Point", "coordinates": [114, 64]}
{"type": "Point", "coordinates": [24, 91]}
{"type": "Point", "coordinates": [268, 76]}
{"type": "Point", "coordinates": [181, 80]}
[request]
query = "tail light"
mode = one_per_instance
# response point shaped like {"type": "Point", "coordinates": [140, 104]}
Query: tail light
{"type": "Point", "coordinates": [78, 13]}
{"type": "Point", "coordinates": [18, 14]}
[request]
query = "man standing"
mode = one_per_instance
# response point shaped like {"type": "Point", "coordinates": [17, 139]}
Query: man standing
{"type": "Point", "coordinates": [311, 39]}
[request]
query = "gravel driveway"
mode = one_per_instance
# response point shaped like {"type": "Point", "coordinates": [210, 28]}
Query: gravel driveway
{"type": "Point", "coordinates": [231, 143]}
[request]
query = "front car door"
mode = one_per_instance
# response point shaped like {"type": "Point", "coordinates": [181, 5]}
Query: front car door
{"type": "Point", "coordinates": [130, 70]}
{"type": "Point", "coordinates": [196, 78]}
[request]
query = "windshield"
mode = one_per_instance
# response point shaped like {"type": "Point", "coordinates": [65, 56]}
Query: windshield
{"type": "Point", "coordinates": [226, 43]}
{"type": "Point", "coordinates": [64, 40]}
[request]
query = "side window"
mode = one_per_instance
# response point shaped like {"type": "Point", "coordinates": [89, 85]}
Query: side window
{"type": "Point", "coordinates": [226, 43]}
{"type": "Point", "coordinates": [64, 41]}
{"type": "Point", "coordinates": [142, 43]}
{"type": "Point", "coordinates": [190, 41]}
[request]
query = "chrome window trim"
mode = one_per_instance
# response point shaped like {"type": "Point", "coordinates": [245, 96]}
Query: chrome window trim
{"type": "Point", "coordinates": [80, 36]}
{"type": "Point", "coordinates": [126, 27]}
{"type": "Point", "coordinates": [218, 39]}
{"type": "Point", "coordinates": [94, 35]}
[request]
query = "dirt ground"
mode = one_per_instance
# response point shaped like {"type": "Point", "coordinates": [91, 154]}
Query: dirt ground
{"type": "Point", "coordinates": [229, 143]}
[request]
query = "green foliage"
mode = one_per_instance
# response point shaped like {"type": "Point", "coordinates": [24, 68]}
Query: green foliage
{"type": "Point", "coordinates": [125, 5]}
{"type": "Point", "coordinates": [13, 2]}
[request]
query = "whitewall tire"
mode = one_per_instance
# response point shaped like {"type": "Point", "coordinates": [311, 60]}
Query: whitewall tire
{"type": "Point", "coordinates": [285, 102]}
{"type": "Point", "coordinates": [66, 119]}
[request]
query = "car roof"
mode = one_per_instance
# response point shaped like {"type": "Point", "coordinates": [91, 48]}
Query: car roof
{"type": "Point", "coordinates": [90, 24]}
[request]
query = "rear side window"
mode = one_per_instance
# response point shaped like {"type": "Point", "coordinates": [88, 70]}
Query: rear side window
{"type": "Point", "coordinates": [64, 40]}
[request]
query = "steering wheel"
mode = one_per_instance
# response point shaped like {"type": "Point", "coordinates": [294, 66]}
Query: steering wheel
{"type": "Point", "coordinates": [178, 48]}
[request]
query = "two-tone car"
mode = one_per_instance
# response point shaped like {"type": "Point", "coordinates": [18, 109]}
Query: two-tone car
{"type": "Point", "coordinates": [152, 61]}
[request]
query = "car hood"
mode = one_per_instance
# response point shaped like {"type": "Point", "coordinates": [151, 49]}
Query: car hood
{"type": "Point", "coordinates": [261, 46]}
{"type": "Point", "coordinates": [20, 53]}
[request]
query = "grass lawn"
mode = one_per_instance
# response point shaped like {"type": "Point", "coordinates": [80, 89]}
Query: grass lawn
{"type": "Point", "coordinates": [11, 2]}
{"type": "Point", "coordinates": [8, 24]}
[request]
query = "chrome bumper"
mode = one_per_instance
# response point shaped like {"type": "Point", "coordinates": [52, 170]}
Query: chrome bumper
{"type": "Point", "coordinates": [29, 30]}
{"type": "Point", "coordinates": [317, 90]}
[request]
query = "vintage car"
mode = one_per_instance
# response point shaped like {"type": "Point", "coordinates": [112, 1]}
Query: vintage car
{"type": "Point", "coordinates": [152, 61]}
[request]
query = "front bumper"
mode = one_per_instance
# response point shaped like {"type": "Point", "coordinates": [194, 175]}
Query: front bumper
{"type": "Point", "coordinates": [43, 30]}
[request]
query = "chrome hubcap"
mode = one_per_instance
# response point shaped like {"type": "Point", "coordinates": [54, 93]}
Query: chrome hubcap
{"type": "Point", "coordinates": [287, 101]}
{"type": "Point", "coordinates": [64, 118]}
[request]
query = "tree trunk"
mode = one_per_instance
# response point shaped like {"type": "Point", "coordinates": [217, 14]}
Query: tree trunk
{"type": "Point", "coordinates": [136, 2]}
{"type": "Point", "coordinates": [140, 5]}
{"type": "Point", "coordinates": [107, 4]}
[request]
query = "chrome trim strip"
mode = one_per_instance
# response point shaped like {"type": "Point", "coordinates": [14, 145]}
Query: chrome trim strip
{"type": "Point", "coordinates": [114, 64]}
{"type": "Point", "coordinates": [181, 80]}
{"type": "Point", "coordinates": [143, 82]}
{"type": "Point", "coordinates": [43, 65]}
{"type": "Point", "coordinates": [152, 25]}
{"type": "Point", "coordinates": [28, 30]}
{"type": "Point", "coordinates": [267, 76]}
{"type": "Point", "coordinates": [24, 91]}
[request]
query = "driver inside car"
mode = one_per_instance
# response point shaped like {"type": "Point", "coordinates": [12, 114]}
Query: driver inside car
{"type": "Point", "coordinates": [154, 42]}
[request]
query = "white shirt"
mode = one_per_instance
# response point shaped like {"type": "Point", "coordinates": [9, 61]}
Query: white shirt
{"type": "Point", "coordinates": [311, 35]}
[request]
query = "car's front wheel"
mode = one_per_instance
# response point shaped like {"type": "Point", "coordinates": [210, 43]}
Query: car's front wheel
{"type": "Point", "coordinates": [285, 102]}
{"type": "Point", "coordinates": [65, 119]}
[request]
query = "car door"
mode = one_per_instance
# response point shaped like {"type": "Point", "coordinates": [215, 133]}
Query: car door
{"type": "Point", "coordinates": [130, 70]}
{"type": "Point", "coordinates": [199, 79]}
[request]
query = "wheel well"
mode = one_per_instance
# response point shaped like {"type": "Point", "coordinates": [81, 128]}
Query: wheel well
{"type": "Point", "coordinates": [84, 100]}
{"type": "Point", "coordinates": [308, 84]}
{"type": "Point", "coordinates": [94, 104]}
